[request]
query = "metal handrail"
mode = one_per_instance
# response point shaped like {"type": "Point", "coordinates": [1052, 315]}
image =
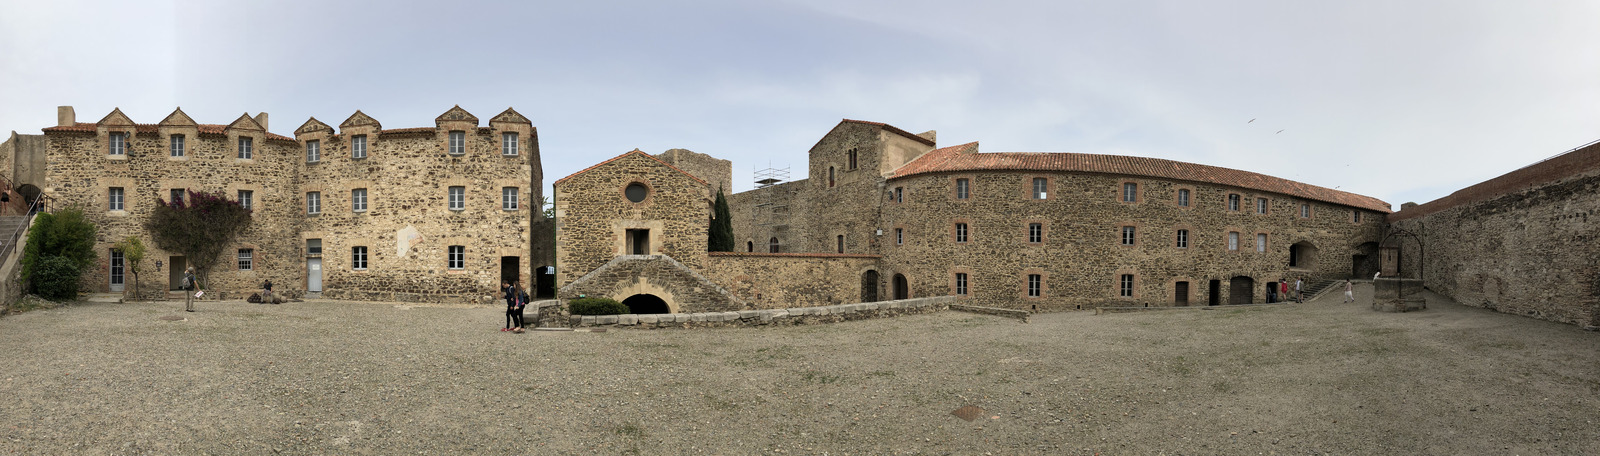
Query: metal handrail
{"type": "Point", "coordinates": [16, 235]}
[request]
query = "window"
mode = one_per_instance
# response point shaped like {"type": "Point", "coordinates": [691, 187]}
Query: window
{"type": "Point", "coordinates": [1356, 216]}
{"type": "Point", "coordinates": [176, 195]}
{"type": "Point", "coordinates": [458, 198]}
{"type": "Point", "coordinates": [750, 246]}
{"type": "Point", "coordinates": [1035, 285]}
{"type": "Point", "coordinates": [358, 146]}
{"type": "Point", "coordinates": [852, 157]}
{"type": "Point", "coordinates": [358, 200]}
{"type": "Point", "coordinates": [1040, 185]}
{"type": "Point", "coordinates": [830, 177]}
{"type": "Point", "coordinates": [841, 243]}
{"type": "Point", "coordinates": [636, 192]}
{"type": "Point", "coordinates": [1127, 235]}
{"type": "Point", "coordinates": [899, 194]}
{"type": "Point", "coordinates": [508, 144]}
{"type": "Point", "coordinates": [245, 148]}
{"type": "Point", "coordinates": [458, 257]}
{"type": "Point", "coordinates": [458, 142]}
{"type": "Point", "coordinates": [313, 202]}
{"type": "Point", "coordinates": [1305, 211]}
{"type": "Point", "coordinates": [1261, 242]}
{"type": "Point", "coordinates": [963, 188]}
{"type": "Point", "coordinates": [313, 151]}
{"type": "Point", "coordinates": [117, 264]}
{"type": "Point", "coordinates": [1183, 197]}
{"type": "Point", "coordinates": [1233, 202]}
{"type": "Point", "coordinates": [119, 143]}
{"type": "Point", "coordinates": [1130, 192]}
{"type": "Point", "coordinates": [114, 199]}
{"type": "Point", "coordinates": [772, 245]}
{"type": "Point", "coordinates": [508, 198]}
{"type": "Point", "coordinates": [1126, 286]}
{"type": "Point", "coordinates": [175, 145]}
{"type": "Point", "coordinates": [1035, 233]}
{"type": "Point", "coordinates": [1233, 240]}
{"type": "Point", "coordinates": [961, 284]}
{"type": "Point", "coordinates": [961, 232]}
{"type": "Point", "coordinates": [246, 257]}
{"type": "Point", "coordinates": [358, 258]}
{"type": "Point", "coordinates": [1183, 239]}
{"type": "Point", "coordinates": [899, 236]}
{"type": "Point", "coordinates": [313, 247]}
{"type": "Point", "coordinates": [1261, 205]}
{"type": "Point", "coordinates": [247, 198]}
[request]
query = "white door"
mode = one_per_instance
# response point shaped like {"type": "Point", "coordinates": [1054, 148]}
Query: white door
{"type": "Point", "coordinates": [314, 274]}
{"type": "Point", "coordinates": [116, 271]}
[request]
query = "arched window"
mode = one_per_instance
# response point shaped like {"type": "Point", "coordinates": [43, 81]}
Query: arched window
{"type": "Point", "coordinates": [750, 246]}
{"type": "Point", "coordinates": [772, 246]}
{"type": "Point", "coordinates": [830, 177]}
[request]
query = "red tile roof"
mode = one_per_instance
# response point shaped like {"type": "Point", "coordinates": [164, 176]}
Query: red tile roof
{"type": "Point", "coordinates": [892, 129]}
{"type": "Point", "coordinates": [619, 157]}
{"type": "Point", "coordinates": [86, 127]}
{"type": "Point", "coordinates": [966, 158]}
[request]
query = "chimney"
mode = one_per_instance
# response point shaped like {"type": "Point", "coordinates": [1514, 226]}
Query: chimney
{"type": "Point", "coordinates": [262, 119]}
{"type": "Point", "coordinates": [65, 117]}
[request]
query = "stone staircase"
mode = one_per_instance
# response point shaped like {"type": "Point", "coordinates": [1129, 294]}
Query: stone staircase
{"type": "Point", "coordinates": [1317, 287]}
{"type": "Point", "coordinates": [9, 225]}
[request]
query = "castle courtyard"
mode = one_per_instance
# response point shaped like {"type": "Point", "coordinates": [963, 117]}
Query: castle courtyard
{"type": "Point", "coordinates": [342, 377]}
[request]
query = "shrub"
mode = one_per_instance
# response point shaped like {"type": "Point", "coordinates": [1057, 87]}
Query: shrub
{"type": "Point", "coordinates": [596, 306]}
{"type": "Point", "coordinates": [64, 234]}
{"type": "Point", "coordinates": [56, 278]}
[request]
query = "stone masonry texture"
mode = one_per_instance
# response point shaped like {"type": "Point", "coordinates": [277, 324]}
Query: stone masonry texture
{"type": "Point", "coordinates": [405, 176]}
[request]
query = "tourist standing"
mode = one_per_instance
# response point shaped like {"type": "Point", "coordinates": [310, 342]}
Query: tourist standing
{"type": "Point", "coordinates": [1283, 288]}
{"type": "Point", "coordinates": [1299, 296]}
{"type": "Point", "coordinates": [188, 286]}
{"type": "Point", "coordinates": [510, 299]}
{"type": "Point", "coordinates": [1349, 291]}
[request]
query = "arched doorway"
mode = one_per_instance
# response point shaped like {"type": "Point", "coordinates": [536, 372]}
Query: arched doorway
{"type": "Point", "coordinates": [902, 290]}
{"type": "Point", "coordinates": [29, 193]}
{"type": "Point", "coordinates": [869, 286]}
{"type": "Point", "coordinates": [1241, 290]}
{"type": "Point", "coordinates": [1302, 255]}
{"type": "Point", "coordinates": [646, 304]}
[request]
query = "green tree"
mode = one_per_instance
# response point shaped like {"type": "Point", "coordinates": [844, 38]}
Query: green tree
{"type": "Point", "coordinates": [132, 254]}
{"type": "Point", "coordinates": [200, 228]}
{"type": "Point", "coordinates": [548, 208]}
{"type": "Point", "coordinates": [721, 226]}
{"type": "Point", "coordinates": [60, 247]}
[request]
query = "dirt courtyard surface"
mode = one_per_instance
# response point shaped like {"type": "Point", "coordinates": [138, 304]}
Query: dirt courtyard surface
{"type": "Point", "coordinates": [326, 377]}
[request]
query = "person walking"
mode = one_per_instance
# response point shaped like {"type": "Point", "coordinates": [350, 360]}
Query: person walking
{"type": "Point", "coordinates": [522, 304]}
{"type": "Point", "coordinates": [1283, 289]}
{"type": "Point", "coordinates": [1299, 296]}
{"type": "Point", "coordinates": [510, 298]}
{"type": "Point", "coordinates": [1349, 291]}
{"type": "Point", "coordinates": [188, 286]}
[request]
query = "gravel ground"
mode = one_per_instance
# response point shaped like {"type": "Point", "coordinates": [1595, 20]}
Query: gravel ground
{"type": "Point", "coordinates": [325, 377]}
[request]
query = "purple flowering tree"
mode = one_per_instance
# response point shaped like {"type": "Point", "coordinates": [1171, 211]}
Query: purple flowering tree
{"type": "Point", "coordinates": [200, 227]}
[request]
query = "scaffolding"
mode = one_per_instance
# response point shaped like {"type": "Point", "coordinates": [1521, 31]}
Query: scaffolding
{"type": "Point", "coordinates": [771, 211]}
{"type": "Point", "coordinates": [771, 176]}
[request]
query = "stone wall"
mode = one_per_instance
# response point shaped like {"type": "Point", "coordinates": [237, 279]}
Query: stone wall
{"type": "Point", "coordinates": [405, 175]}
{"type": "Point", "coordinates": [1523, 243]}
{"type": "Point", "coordinates": [681, 288]}
{"type": "Point", "coordinates": [766, 317]}
{"type": "Point", "coordinates": [1082, 257]}
{"type": "Point", "coordinates": [594, 215]}
{"type": "Point", "coordinates": [717, 173]}
{"type": "Point", "coordinates": [771, 281]}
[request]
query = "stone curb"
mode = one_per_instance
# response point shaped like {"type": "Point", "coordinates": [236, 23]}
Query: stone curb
{"type": "Point", "coordinates": [780, 317]}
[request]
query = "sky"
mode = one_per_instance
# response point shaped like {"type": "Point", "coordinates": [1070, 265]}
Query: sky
{"type": "Point", "coordinates": [1399, 100]}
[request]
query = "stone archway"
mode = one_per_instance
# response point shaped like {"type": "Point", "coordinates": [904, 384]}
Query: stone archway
{"type": "Point", "coordinates": [869, 286]}
{"type": "Point", "coordinates": [1365, 261]}
{"type": "Point", "coordinates": [1302, 255]}
{"type": "Point", "coordinates": [645, 303]}
{"type": "Point", "coordinates": [29, 193]}
{"type": "Point", "coordinates": [902, 290]}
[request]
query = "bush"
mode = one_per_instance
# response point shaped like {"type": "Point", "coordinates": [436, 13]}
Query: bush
{"type": "Point", "coordinates": [64, 234]}
{"type": "Point", "coordinates": [596, 306]}
{"type": "Point", "coordinates": [56, 278]}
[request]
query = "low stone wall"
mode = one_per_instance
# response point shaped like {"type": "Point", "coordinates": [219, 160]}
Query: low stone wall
{"type": "Point", "coordinates": [1008, 313]}
{"type": "Point", "coordinates": [781, 280]}
{"type": "Point", "coordinates": [765, 317]}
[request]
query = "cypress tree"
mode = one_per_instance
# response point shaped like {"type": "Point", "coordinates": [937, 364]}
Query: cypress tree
{"type": "Point", "coordinates": [721, 239]}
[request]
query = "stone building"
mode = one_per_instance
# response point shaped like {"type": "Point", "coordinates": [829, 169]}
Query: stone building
{"type": "Point", "coordinates": [440, 213]}
{"type": "Point", "coordinates": [1047, 231]}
